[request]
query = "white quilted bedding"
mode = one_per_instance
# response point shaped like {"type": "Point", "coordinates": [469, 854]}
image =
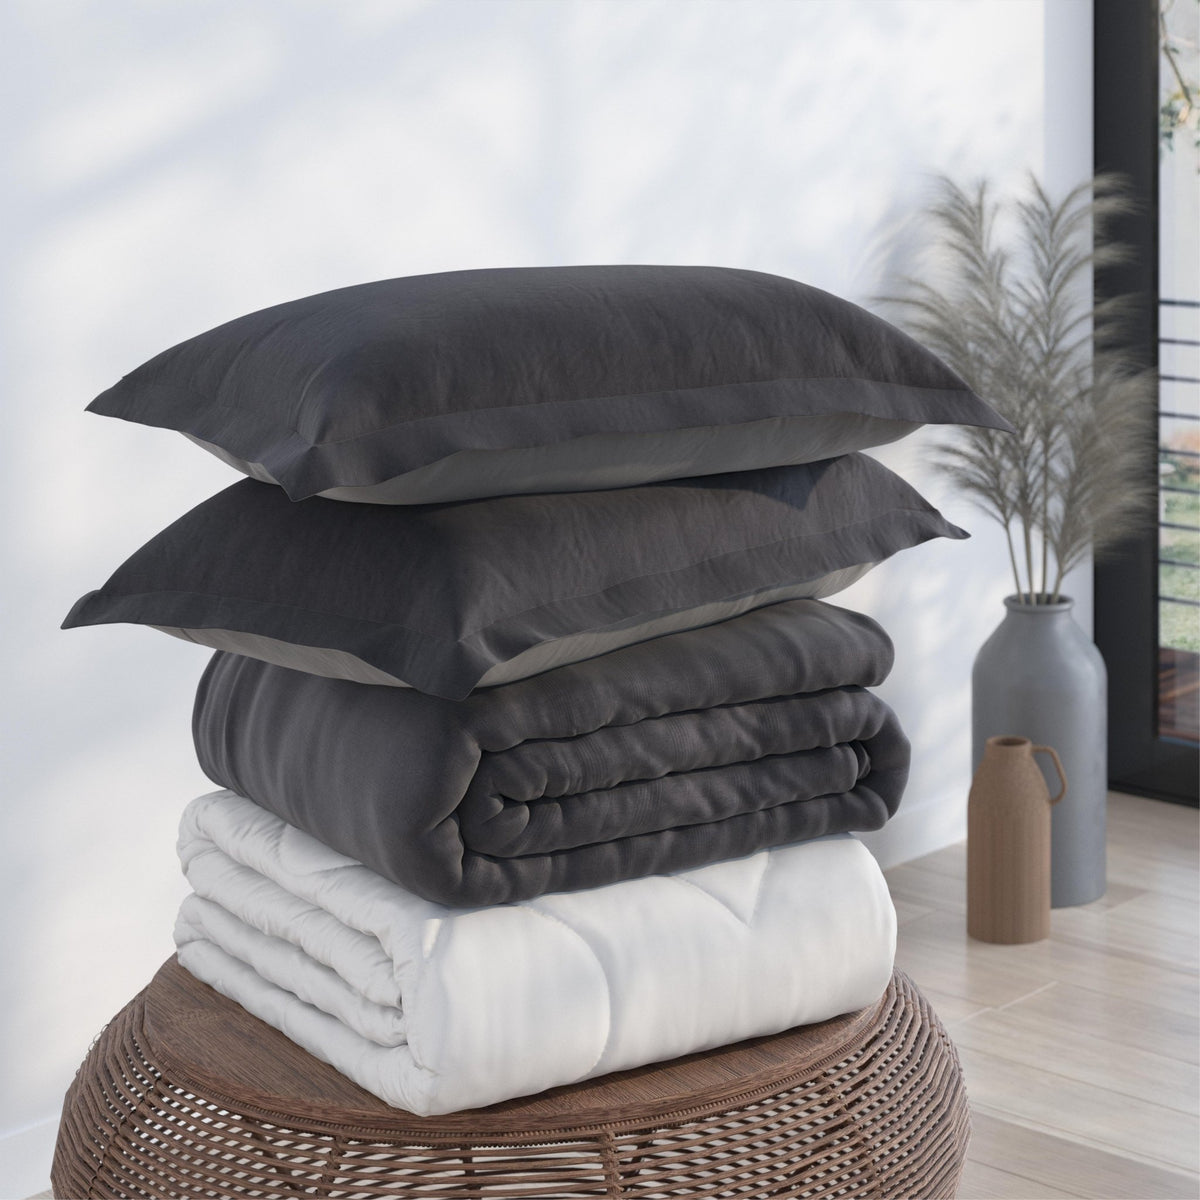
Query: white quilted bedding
{"type": "Point", "coordinates": [435, 1009]}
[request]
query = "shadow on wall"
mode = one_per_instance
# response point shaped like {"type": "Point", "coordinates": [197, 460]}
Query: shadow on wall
{"type": "Point", "coordinates": [952, 595]}
{"type": "Point", "coordinates": [939, 601]}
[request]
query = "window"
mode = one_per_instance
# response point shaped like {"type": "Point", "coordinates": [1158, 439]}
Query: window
{"type": "Point", "coordinates": [1179, 372]}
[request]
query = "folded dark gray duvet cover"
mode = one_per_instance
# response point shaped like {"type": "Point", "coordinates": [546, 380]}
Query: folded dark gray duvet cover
{"type": "Point", "coordinates": [692, 748]}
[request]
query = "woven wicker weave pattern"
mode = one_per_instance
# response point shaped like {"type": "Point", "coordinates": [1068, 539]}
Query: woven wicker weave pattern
{"type": "Point", "coordinates": [868, 1106]}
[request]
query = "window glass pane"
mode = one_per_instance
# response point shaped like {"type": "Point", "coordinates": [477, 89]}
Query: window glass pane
{"type": "Point", "coordinates": [1179, 368]}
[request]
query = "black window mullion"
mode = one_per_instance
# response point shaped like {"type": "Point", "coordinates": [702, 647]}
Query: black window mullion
{"type": "Point", "coordinates": [1126, 589]}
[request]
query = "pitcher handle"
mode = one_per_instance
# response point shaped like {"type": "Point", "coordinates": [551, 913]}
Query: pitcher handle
{"type": "Point", "coordinates": [1062, 777]}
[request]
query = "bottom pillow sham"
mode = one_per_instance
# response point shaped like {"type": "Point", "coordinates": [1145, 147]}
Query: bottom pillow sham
{"type": "Point", "coordinates": [435, 1009]}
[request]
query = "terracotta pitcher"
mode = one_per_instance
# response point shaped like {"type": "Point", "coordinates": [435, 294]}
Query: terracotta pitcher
{"type": "Point", "coordinates": [1008, 843]}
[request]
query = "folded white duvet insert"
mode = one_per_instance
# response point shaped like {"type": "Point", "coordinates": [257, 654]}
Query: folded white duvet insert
{"type": "Point", "coordinates": [435, 1009]}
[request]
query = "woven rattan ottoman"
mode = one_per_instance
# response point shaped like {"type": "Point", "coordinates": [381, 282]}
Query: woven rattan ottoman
{"type": "Point", "coordinates": [186, 1095]}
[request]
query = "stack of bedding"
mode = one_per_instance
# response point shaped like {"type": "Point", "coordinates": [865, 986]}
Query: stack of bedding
{"type": "Point", "coordinates": [542, 749]}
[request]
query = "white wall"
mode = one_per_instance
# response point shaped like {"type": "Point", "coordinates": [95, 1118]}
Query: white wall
{"type": "Point", "coordinates": [171, 166]}
{"type": "Point", "coordinates": [1067, 160]}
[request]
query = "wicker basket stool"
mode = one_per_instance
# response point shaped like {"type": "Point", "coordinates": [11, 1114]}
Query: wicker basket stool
{"type": "Point", "coordinates": [186, 1095]}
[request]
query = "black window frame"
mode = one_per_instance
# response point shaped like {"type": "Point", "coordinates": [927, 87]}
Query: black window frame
{"type": "Point", "coordinates": [1125, 108]}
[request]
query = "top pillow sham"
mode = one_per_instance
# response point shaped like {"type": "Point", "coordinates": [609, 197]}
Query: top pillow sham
{"type": "Point", "coordinates": [494, 382]}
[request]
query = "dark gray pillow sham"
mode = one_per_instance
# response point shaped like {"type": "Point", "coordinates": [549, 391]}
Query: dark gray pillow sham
{"type": "Point", "coordinates": [441, 597]}
{"type": "Point", "coordinates": [476, 383]}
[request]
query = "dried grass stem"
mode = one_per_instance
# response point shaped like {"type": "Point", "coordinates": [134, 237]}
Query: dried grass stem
{"type": "Point", "coordinates": [1016, 319]}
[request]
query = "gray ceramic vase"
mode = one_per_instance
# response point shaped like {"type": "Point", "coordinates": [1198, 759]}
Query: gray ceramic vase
{"type": "Point", "coordinates": [1040, 677]}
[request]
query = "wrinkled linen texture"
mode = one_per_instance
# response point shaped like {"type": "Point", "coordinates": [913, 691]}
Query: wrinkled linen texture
{"type": "Point", "coordinates": [467, 383]}
{"type": "Point", "coordinates": [693, 748]}
{"type": "Point", "coordinates": [435, 1009]}
{"type": "Point", "coordinates": [440, 597]}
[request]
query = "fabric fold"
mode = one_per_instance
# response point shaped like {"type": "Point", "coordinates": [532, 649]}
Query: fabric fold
{"type": "Point", "coordinates": [696, 747]}
{"type": "Point", "coordinates": [435, 1008]}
